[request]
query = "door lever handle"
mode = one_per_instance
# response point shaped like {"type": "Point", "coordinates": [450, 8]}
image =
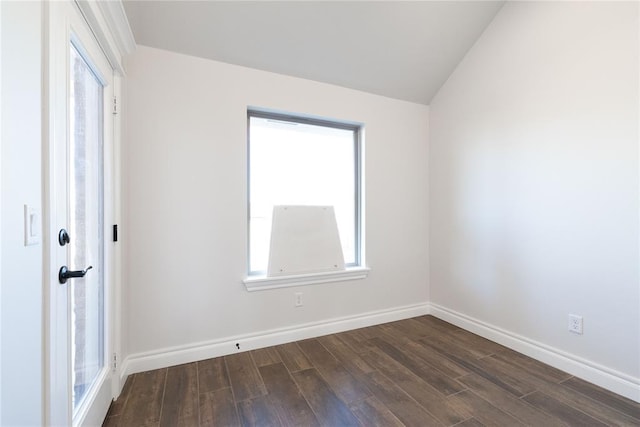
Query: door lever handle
{"type": "Point", "coordinates": [65, 273]}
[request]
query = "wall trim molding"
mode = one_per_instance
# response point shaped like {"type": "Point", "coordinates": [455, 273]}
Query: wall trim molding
{"type": "Point", "coordinates": [110, 26]}
{"type": "Point", "coordinates": [116, 19]}
{"type": "Point", "coordinates": [171, 356]}
{"type": "Point", "coordinates": [600, 375]}
{"type": "Point", "coordinates": [595, 373]}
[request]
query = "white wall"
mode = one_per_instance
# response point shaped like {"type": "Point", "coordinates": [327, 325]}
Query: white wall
{"type": "Point", "coordinates": [185, 174]}
{"type": "Point", "coordinates": [22, 307]}
{"type": "Point", "coordinates": [534, 181]}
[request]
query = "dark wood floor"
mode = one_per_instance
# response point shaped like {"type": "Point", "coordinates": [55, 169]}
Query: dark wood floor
{"type": "Point", "coordinates": [415, 372]}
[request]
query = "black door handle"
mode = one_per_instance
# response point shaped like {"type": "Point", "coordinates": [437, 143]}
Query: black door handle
{"type": "Point", "coordinates": [65, 273]}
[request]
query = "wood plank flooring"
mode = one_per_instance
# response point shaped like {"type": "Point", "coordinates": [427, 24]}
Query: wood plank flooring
{"type": "Point", "coordinates": [415, 372]}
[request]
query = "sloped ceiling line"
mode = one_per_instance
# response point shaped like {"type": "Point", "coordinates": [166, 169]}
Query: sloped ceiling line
{"type": "Point", "coordinates": [399, 49]}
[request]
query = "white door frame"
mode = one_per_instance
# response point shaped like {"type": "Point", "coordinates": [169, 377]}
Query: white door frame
{"type": "Point", "coordinates": [61, 20]}
{"type": "Point", "coordinates": [111, 28]}
{"type": "Point", "coordinates": [0, 212]}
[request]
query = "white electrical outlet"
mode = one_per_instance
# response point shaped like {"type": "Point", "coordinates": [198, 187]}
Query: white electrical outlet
{"type": "Point", "coordinates": [575, 324]}
{"type": "Point", "coordinates": [297, 299]}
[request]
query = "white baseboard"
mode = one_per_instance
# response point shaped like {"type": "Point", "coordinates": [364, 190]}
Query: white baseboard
{"type": "Point", "coordinates": [607, 378]}
{"type": "Point", "coordinates": [610, 379]}
{"type": "Point", "coordinates": [172, 356]}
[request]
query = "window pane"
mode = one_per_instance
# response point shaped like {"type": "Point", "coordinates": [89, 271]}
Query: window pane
{"type": "Point", "coordinates": [85, 214]}
{"type": "Point", "coordinates": [300, 164]}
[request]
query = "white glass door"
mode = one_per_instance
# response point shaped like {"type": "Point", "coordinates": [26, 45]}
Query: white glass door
{"type": "Point", "coordinates": [81, 206]}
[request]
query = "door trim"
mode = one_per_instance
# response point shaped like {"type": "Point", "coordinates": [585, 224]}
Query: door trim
{"type": "Point", "coordinates": [0, 212]}
{"type": "Point", "coordinates": [110, 25]}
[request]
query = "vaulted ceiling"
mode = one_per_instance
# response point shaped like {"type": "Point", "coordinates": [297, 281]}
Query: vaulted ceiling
{"type": "Point", "coordinates": [400, 49]}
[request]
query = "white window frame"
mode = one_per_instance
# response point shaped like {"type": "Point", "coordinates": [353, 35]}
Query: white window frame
{"type": "Point", "coordinates": [355, 270]}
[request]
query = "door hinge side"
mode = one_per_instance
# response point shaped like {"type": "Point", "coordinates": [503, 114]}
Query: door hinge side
{"type": "Point", "coordinates": [114, 363]}
{"type": "Point", "coordinates": [115, 105]}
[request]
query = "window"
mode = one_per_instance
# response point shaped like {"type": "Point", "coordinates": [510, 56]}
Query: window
{"type": "Point", "coordinates": [301, 161]}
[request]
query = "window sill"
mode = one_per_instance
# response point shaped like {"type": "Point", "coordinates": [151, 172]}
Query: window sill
{"type": "Point", "coordinates": [262, 283]}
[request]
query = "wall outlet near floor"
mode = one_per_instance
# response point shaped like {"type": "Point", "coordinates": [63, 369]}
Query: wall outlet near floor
{"type": "Point", "coordinates": [297, 299]}
{"type": "Point", "coordinates": [575, 324]}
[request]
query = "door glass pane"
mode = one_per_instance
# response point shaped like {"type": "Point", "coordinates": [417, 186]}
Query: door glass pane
{"type": "Point", "coordinates": [85, 225]}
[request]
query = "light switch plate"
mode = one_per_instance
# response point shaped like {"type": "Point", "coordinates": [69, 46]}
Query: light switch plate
{"type": "Point", "coordinates": [31, 226]}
